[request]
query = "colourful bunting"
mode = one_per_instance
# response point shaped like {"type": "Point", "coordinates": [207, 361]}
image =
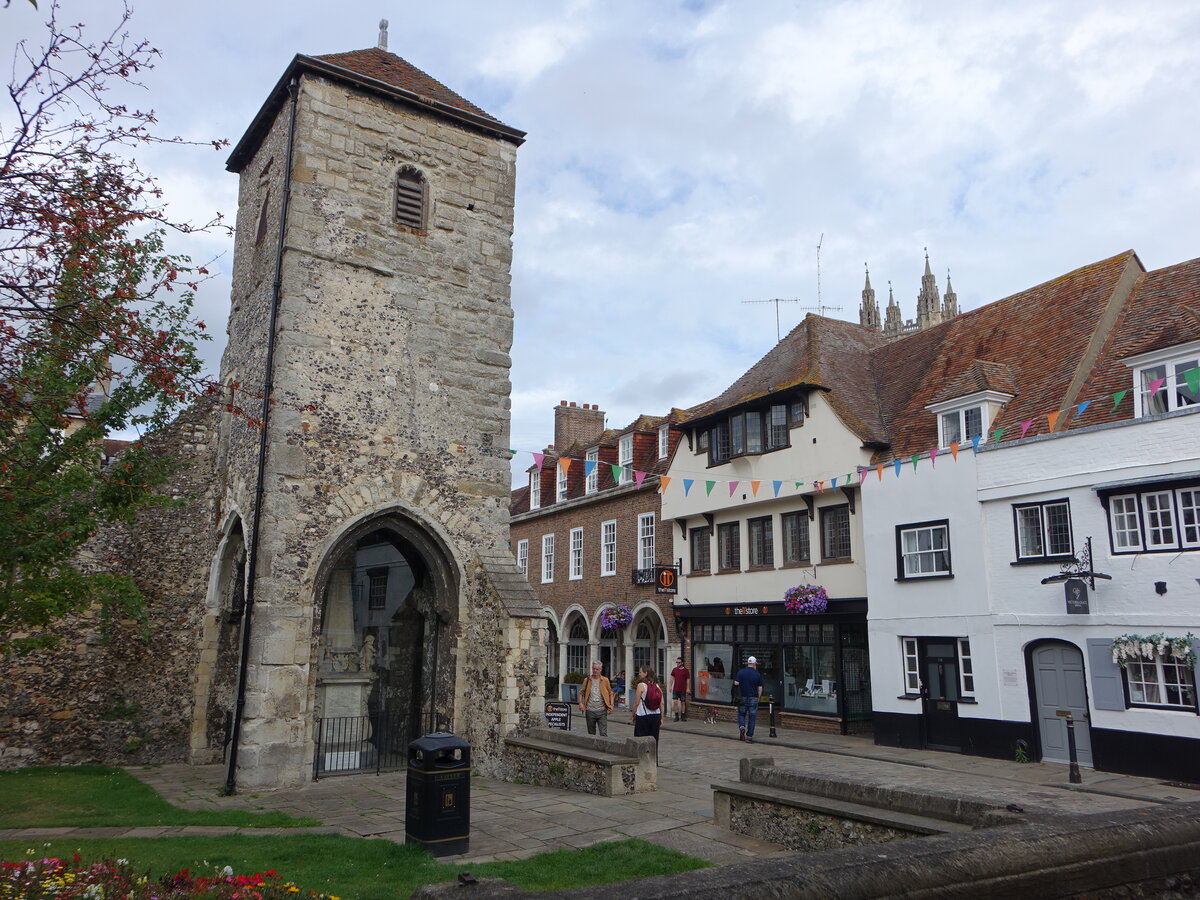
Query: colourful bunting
{"type": "Point", "coordinates": [933, 457]}
{"type": "Point", "coordinates": [975, 443]}
{"type": "Point", "coordinates": [777, 485]}
{"type": "Point", "coordinates": [1052, 419]}
{"type": "Point", "coordinates": [687, 485]}
{"type": "Point", "coordinates": [915, 457]}
{"type": "Point", "coordinates": [997, 434]}
{"type": "Point", "coordinates": [639, 477]}
{"type": "Point", "coordinates": [834, 488]}
{"type": "Point", "coordinates": [1118, 397]}
{"type": "Point", "coordinates": [1156, 385]}
{"type": "Point", "coordinates": [708, 486]}
{"type": "Point", "coordinates": [663, 481]}
{"type": "Point", "coordinates": [754, 485]}
{"type": "Point", "coordinates": [616, 472]}
{"type": "Point", "coordinates": [589, 466]}
{"type": "Point", "coordinates": [1081, 408]}
{"type": "Point", "coordinates": [897, 464]}
{"type": "Point", "coordinates": [879, 471]}
{"type": "Point", "coordinates": [733, 487]}
{"type": "Point", "coordinates": [538, 459]}
{"type": "Point", "coordinates": [799, 485]}
{"type": "Point", "coordinates": [1192, 377]}
{"type": "Point", "coordinates": [954, 450]}
{"type": "Point", "coordinates": [565, 464]}
{"type": "Point", "coordinates": [1025, 426]}
{"type": "Point", "coordinates": [819, 485]}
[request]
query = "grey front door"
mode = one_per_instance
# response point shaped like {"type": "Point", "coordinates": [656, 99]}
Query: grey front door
{"type": "Point", "coordinates": [1058, 685]}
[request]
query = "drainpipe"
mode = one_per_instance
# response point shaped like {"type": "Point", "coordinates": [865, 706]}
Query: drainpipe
{"type": "Point", "coordinates": [267, 389]}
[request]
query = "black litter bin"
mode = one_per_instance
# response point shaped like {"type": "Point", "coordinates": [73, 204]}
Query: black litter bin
{"type": "Point", "coordinates": [438, 811]}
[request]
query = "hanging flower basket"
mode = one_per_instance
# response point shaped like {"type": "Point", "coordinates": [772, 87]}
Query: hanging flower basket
{"type": "Point", "coordinates": [806, 599]}
{"type": "Point", "coordinates": [1129, 648]}
{"type": "Point", "coordinates": [616, 617]}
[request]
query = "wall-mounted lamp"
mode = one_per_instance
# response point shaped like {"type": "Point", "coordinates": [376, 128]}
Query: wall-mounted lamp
{"type": "Point", "coordinates": [1160, 587]}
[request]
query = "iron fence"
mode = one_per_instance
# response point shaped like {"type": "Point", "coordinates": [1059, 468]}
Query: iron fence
{"type": "Point", "coordinates": [348, 745]}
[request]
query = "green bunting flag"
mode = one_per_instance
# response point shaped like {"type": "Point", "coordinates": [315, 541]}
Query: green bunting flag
{"type": "Point", "coordinates": [616, 473]}
{"type": "Point", "coordinates": [1192, 377]}
{"type": "Point", "coordinates": [915, 457]}
{"type": "Point", "coordinates": [998, 434]}
{"type": "Point", "coordinates": [708, 486]}
{"type": "Point", "coordinates": [1118, 397]}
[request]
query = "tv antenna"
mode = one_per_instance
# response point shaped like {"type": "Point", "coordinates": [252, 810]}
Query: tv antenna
{"type": "Point", "coordinates": [820, 308]}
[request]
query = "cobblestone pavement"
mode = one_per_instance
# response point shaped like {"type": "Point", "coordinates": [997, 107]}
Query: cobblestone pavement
{"type": "Point", "coordinates": [512, 821]}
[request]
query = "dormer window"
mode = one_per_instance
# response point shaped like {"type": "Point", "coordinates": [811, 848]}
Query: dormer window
{"type": "Point", "coordinates": [964, 418]}
{"type": "Point", "coordinates": [560, 493]}
{"type": "Point", "coordinates": [625, 457]}
{"type": "Point", "coordinates": [535, 489]}
{"type": "Point", "coordinates": [1166, 380]}
{"type": "Point", "coordinates": [592, 482]}
{"type": "Point", "coordinates": [664, 440]}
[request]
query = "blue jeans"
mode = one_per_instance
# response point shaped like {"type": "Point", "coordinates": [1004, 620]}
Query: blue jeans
{"type": "Point", "coordinates": [747, 713]}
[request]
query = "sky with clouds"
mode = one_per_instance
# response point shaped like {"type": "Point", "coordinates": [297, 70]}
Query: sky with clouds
{"type": "Point", "coordinates": [685, 156]}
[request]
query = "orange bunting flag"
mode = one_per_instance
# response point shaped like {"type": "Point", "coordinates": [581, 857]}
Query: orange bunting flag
{"type": "Point", "coordinates": [954, 450]}
{"type": "Point", "coordinates": [754, 487]}
{"type": "Point", "coordinates": [879, 471]}
{"type": "Point", "coordinates": [565, 465]}
{"type": "Point", "coordinates": [1052, 418]}
{"type": "Point", "coordinates": [663, 481]}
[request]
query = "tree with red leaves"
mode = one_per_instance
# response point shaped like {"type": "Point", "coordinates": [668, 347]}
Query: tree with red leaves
{"type": "Point", "coordinates": [96, 326]}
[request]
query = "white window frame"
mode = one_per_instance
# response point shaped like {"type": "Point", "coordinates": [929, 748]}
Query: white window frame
{"type": "Point", "coordinates": [575, 569]}
{"type": "Point", "coordinates": [1148, 681]}
{"type": "Point", "coordinates": [911, 658]}
{"type": "Point", "coordinates": [608, 547]}
{"type": "Point", "coordinates": [987, 402]}
{"type": "Point", "coordinates": [966, 669]}
{"type": "Point", "coordinates": [625, 457]}
{"type": "Point", "coordinates": [1021, 512]}
{"type": "Point", "coordinates": [592, 481]}
{"type": "Point", "coordinates": [664, 440]}
{"type": "Point", "coordinates": [918, 553]}
{"type": "Point", "coordinates": [560, 483]}
{"type": "Point", "coordinates": [645, 545]}
{"type": "Point", "coordinates": [535, 489]}
{"type": "Point", "coordinates": [523, 556]}
{"type": "Point", "coordinates": [547, 559]}
{"type": "Point", "coordinates": [1171, 364]}
{"type": "Point", "coordinates": [1158, 519]}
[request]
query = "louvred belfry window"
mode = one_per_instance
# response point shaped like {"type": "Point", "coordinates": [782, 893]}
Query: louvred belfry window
{"type": "Point", "coordinates": [410, 198]}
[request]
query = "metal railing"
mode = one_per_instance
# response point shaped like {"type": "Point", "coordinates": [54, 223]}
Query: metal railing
{"type": "Point", "coordinates": [348, 745]}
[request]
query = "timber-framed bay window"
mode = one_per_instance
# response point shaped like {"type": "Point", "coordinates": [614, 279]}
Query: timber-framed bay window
{"type": "Point", "coordinates": [923, 550]}
{"type": "Point", "coordinates": [1159, 517]}
{"type": "Point", "coordinates": [753, 431]}
{"type": "Point", "coordinates": [1043, 531]}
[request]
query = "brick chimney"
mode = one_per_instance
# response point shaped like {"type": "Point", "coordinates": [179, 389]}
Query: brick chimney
{"type": "Point", "coordinates": [574, 423]}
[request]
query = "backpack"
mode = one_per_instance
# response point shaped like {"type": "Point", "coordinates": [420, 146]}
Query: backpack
{"type": "Point", "coordinates": [653, 699]}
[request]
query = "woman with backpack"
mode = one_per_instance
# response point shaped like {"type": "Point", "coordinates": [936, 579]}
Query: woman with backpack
{"type": "Point", "coordinates": [647, 705]}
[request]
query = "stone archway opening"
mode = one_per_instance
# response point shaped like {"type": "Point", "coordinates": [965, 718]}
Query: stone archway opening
{"type": "Point", "coordinates": [384, 668]}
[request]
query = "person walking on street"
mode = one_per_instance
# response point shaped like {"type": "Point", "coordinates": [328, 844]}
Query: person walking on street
{"type": "Point", "coordinates": [647, 706]}
{"type": "Point", "coordinates": [680, 683]}
{"type": "Point", "coordinates": [749, 685]}
{"type": "Point", "coordinates": [596, 701]}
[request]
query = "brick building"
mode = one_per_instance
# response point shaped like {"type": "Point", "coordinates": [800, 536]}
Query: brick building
{"type": "Point", "coordinates": [587, 531]}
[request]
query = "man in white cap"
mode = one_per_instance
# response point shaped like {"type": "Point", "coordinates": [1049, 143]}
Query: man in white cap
{"type": "Point", "coordinates": [749, 685]}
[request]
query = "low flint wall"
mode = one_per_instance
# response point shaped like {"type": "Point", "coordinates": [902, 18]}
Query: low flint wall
{"type": "Point", "coordinates": [588, 764]}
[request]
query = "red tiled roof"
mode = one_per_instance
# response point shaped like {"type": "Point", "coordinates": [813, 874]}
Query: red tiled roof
{"type": "Point", "coordinates": [391, 69]}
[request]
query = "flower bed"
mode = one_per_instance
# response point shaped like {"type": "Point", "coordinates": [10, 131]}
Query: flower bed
{"type": "Point", "coordinates": [54, 879]}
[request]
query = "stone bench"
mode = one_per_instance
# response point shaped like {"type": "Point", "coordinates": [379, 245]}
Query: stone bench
{"type": "Point", "coordinates": [589, 764]}
{"type": "Point", "coordinates": [807, 812]}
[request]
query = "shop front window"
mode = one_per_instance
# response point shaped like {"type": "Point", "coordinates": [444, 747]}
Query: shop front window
{"type": "Point", "coordinates": [809, 679]}
{"type": "Point", "coordinates": [768, 667]}
{"type": "Point", "coordinates": [714, 679]}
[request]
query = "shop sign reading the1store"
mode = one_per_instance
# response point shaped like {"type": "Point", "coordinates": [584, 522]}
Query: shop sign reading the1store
{"type": "Point", "coordinates": [745, 610]}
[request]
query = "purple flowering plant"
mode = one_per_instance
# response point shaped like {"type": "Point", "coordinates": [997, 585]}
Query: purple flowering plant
{"type": "Point", "coordinates": [806, 599]}
{"type": "Point", "coordinates": [616, 617]}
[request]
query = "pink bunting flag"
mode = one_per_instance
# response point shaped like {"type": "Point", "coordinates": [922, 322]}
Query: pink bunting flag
{"type": "Point", "coordinates": [538, 459]}
{"type": "Point", "coordinates": [1025, 426]}
{"type": "Point", "coordinates": [733, 487]}
{"type": "Point", "coordinates": [639, 477]}
{"type": "Point", "coordinates": [754, 485]}
{"type": "Point", "coordinates": [933, 457]}
{"type": "Point", "coordinates": [820, 486]}
{"type": "Point", "coordinates": [1156, 385]}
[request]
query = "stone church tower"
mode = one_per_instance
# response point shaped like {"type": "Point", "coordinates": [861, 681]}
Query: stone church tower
{"type": "Point", "coordinates": [868, 310]}
{"type": "Point", "coordinates": [363, 593]}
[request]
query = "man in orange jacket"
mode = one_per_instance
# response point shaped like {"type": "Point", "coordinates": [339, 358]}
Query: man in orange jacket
{"type": "Point", "coordinates": [596, 700]}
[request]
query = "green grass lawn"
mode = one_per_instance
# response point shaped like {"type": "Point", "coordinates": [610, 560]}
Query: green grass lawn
{"type": "Point", "coordinates": [350, 868]}
{"type": "Point", "coordinates": [362, 869]}
{"type": "Point", "coordinates": [91, 796]}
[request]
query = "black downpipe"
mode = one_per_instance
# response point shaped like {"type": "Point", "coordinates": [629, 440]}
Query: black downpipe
{"type": "Point", "coordinates": [267, 390]}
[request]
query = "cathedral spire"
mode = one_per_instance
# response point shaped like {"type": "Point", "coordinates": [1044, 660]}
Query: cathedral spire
{"type": "Point", "coordinates": [949, 300]}
{"type": "Point", "coordinates": [382, 43]}
{"type": "Point", "coordinates": [929, 303]}
{"type": "Point", "coordinates": [893, 325]}
{"type": "Point", "coordinates": [868, 311]}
